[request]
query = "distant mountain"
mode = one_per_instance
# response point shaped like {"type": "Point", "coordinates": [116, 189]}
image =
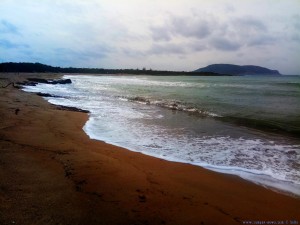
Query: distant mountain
{"type": "Point", "coordinates": [237, 70]}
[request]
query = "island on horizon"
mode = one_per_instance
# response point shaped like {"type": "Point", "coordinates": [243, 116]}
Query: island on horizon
{"type": "Point", "coordinates": [238, 70]}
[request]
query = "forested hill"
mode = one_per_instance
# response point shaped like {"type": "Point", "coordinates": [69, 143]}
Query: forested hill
{"type": "Point", "coordinates": [237, 70]}
{"type": "Point", "coordinates": [42, 68]}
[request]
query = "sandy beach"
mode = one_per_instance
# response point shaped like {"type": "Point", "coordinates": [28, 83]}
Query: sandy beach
{"type": "Point", "coordinates": [52, 173]}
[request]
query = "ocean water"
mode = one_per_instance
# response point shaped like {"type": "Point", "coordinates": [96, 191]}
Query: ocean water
{"type": "Point", "coordinates": [248, 126]}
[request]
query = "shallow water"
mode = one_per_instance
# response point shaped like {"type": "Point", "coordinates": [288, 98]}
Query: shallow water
{"type": "Point", "coordinates": [247, 126]}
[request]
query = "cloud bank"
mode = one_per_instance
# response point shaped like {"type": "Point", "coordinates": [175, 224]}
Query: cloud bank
{"type": "Point", "coordinates": [172, 35]}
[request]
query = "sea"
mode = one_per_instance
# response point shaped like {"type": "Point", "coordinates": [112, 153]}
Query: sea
{"type": "Point", "coordinates": [248, 126]}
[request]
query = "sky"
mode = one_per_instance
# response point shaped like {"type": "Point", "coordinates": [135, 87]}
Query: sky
{"type": "Point", "coordinates": [179, 35]}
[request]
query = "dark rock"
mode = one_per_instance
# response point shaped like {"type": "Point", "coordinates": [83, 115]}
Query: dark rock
{"type": "Point", "coordinates": [38, 80]}
{"type": "Point", "coordinates": [18, 87]}
{"type": "Point", "coordinates": [69, 108]}
{"type": "Point", "coordinates": [44, 81]}
{"type": "Point", "coordinates": [65, 81]}
{"type": "Point", "coordinates": [141, 99]}
{"type": "Point", "coordinates": [46, 95]}
{"type": "Point", "coordinates": [292, 152]}
{"type": "Point", "coordinates": [27, 83]}
{"type": "Point", "coordinates": [35, 81]}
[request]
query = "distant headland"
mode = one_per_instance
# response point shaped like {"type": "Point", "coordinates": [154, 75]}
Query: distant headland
{"type": "Point", "coordinates": [237, 70]}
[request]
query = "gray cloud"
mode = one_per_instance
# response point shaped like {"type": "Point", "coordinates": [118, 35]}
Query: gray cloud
{"type": "Point", "coordinates": [198, 46]}
{"type": "Point", "coordinates": [85, 54]}
{"type": "Point", "coordinates": [225, 44]}
{"type": "Point", "coordinates": [199, 27]}
{"type": "Point", "coordinates": [249, 24]}
{"type": "Point", "coordinates": [169, 48]}
{"type": "Point", "coordinates": [7, 44]}
{"type": "Point", "coordinates": [256, 33]}
{"type": "Point", "coordinates": [191, 27]}
{"type": "Point", "coordinates": [133, 53]}
{"type": "Point", "coordinates": [261, 40]}
{"type": "Point", "coordinates": [160, 33]}
{"type": "Point", "coordinates": [296, 22]}
{"type": "Point", "coordinates": [228, 35]}
{"type": "Point", "coordinates": [229, 8]}
{"type": "Point", "coordinates": [176, 49]}
{"type": "Point", "coordinates": [295, 38]}
{"type": "Point", "coordinates": [187, 27]}
{"type": "Point", "coordinates": [70, 57]}
{"type": "Point", "coordinates": [8, 28]}
{"type": "Point", "coordinates": [11, 45]}
{"type": "Point", "coordinates": [75, 32]}
{"type": "Point", "coordinates": [243, 31]}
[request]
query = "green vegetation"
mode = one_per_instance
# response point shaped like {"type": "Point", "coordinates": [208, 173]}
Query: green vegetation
{"type": "Point", "coordinates": [11, 67]}
{"type": "Point", "coordinates": [238, 70]}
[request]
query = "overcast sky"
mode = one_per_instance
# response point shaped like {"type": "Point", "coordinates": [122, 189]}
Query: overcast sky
{"type": "Point", "coordinates": [157, 34]}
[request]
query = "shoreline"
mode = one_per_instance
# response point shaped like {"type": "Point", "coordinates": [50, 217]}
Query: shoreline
{"type": "Point", "coordinates": [59, 175]}
{"type": "Point", "coordinates": [273, 180]}
{"type": "Point", "coordinates": [256, 179]}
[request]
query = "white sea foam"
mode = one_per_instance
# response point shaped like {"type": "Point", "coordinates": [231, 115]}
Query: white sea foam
{"type": "Point", "coordinates": [151, 130]}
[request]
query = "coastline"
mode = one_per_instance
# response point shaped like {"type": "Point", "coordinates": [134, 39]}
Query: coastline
{"type": "Point", "coordinates": [51, 172]}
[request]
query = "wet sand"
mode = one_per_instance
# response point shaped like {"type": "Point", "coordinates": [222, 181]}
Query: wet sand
{"type": "Point", "coordinates": [52, 173]}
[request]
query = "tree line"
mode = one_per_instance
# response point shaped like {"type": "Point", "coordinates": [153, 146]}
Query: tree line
{"type": "Point", "coordinates": [12, 67]}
